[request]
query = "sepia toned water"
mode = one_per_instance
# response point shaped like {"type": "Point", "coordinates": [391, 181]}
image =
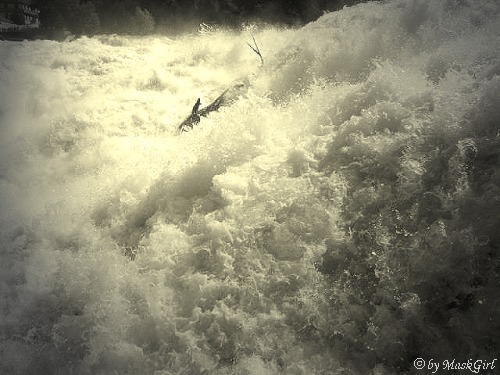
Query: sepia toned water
{"type": "Point", "coordinates": [338, 216]}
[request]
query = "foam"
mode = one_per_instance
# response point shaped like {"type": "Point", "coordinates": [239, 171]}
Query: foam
{"type": "Point", "coordinates": [300, 230]}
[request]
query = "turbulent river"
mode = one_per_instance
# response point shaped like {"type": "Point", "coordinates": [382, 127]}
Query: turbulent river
{"type": "Point", "coordinates": [339, 216]}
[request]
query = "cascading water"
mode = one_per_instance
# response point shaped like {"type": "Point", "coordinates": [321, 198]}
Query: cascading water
{"type": "Point", "coordinates": [339, 216]}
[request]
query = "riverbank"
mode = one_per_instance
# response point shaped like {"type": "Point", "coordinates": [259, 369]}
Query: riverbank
{"type": "Point", "coordinates": [33, 34]}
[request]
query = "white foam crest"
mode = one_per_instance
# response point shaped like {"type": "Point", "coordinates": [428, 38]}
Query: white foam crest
{"type": "Point", "coordinates": [134, 249]}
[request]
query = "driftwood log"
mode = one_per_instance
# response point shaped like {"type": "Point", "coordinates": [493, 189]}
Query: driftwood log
{"type": "Point", "coordinates": [228, 97]}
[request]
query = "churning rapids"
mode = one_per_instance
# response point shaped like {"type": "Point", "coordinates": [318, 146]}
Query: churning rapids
{"type": "Point", "coordinates": [340, 216]}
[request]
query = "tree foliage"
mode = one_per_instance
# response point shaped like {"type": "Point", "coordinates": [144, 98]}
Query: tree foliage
{"type": "Point", "coordinates": [143, 16]}
{"type": "Point", "coordinates": [142, 22]}
{"type": "Point", "coordinates": [73, 15]}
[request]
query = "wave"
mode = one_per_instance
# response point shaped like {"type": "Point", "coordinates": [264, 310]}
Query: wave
{"type": "Point", "coordinates": [340, 215]}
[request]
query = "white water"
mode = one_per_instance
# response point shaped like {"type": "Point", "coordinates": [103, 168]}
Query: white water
{"type": "Point", "coordinates": [129, 249]}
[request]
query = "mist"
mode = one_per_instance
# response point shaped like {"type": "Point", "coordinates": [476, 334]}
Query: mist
{"type": "Point", "coordinates": [338, 216]}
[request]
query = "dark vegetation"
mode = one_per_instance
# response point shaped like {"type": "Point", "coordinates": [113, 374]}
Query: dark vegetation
{"type": "Point", "coordinates": [142, 17]}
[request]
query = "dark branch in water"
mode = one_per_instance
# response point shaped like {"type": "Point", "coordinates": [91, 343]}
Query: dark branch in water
{"type": "Point", "coordinates": [226, 98]}
{"type": "Point", "coordinates": [193, 119]}
{"type": "Point", "coordinates": [256, 50]}
{"type": "Point", "coordinates": [195, 107]}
